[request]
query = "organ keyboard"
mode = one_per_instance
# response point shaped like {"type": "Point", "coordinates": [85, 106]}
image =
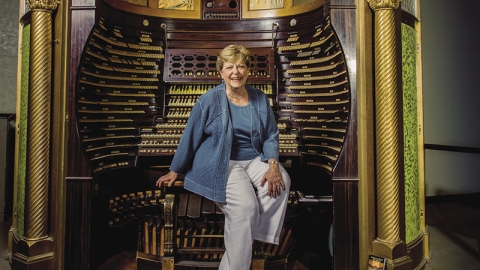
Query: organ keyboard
{"type": "Point", "coordinates": [123, 100]}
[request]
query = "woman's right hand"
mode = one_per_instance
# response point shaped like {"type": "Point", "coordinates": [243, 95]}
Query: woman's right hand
{"type": "Point", "coordinates": [170, 177]}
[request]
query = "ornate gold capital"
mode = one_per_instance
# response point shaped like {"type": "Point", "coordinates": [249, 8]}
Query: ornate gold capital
{"type": "Point", "coordinates": [48, 5]}
{"type": "Point", "coordinates": [384, 4]}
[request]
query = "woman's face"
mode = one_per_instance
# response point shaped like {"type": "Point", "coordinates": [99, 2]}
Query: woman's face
{"type": "Point", "coordinates": [234, 74]}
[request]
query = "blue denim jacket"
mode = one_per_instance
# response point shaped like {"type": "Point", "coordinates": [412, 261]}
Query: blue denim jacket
{"type": "Point", "coordinates": [203, 152]}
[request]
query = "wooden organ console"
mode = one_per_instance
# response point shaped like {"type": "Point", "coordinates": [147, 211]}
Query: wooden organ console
{"type": "Point", "coordinates": [138, 77]}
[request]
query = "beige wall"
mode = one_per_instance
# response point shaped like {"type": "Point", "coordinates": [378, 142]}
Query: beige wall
{"type": "Point", "coordinates": [451, 94]}
{"type": "Point", "coordinates": [8, 55]}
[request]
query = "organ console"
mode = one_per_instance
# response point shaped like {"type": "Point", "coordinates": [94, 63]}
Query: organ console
{"type": "Point", "coordinates": [143, 67]}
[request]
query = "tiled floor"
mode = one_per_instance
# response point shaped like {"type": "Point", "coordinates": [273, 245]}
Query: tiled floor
{"type": "Point", "coordinates": [454, 234]}
{"type": "Point", "coordinates": [454, 229]}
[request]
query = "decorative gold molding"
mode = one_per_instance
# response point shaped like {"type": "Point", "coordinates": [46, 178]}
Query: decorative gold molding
{"type": "Point", "coordinates": [416, 249]}
{"type": "Point", "coordinates": [33, 254]}
{"type": "Point", "coordinates": [388, 243]}
{"type": "Point", "coordinates": [289, 9]}
{"type": "Point", "coordinates": [366, 148]}
{"type": "Point", "coordinates": [387, 136]}
{"type": "Point", "coordinates": [38, 138]}
{"type": "Point", "coordinates": [46, 5]}
{"type": "Point", "coordinates": [384, 4]}
{"type": "Point", "coordinates": [35, 250]}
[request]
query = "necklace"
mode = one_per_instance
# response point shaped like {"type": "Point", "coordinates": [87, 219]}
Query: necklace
{"type": "Point", "coordinates": [237, 97]}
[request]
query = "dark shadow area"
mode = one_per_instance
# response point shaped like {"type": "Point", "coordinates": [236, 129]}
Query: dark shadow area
{"type": "Point", "coordinates": [454, 225]}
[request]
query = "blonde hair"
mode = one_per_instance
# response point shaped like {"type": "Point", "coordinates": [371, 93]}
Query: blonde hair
{"type": "Point", "coordinates": [232, 54]}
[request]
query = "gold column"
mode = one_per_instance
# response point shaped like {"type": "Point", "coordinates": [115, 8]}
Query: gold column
{"type": "Point", "coordinates": [388, 243]}
{"type": "Point", "coordinates": [35, 250]}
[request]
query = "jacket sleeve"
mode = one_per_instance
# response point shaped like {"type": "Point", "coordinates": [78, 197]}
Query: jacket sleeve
{"type": "Point", "coordinates": [191, 138]}
{"type": "Point", "coordinates": [271, 136]}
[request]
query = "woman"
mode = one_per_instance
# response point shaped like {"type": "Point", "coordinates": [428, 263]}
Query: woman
{"type": "Point", "coordinates": [229, 153]}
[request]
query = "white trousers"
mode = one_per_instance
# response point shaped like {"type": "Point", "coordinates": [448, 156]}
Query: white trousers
{"type": "Point", "coordinates": [250, 213]}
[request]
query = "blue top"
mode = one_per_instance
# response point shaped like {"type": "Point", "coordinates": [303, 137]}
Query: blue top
{"type": "Point", "coordinates": [204, 150]}
{"type": "Point", "coordinates": [242, 148]}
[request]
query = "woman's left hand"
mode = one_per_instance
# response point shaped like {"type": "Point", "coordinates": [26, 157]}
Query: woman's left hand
{"type": "Point", "coordinates": [275, 182]}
